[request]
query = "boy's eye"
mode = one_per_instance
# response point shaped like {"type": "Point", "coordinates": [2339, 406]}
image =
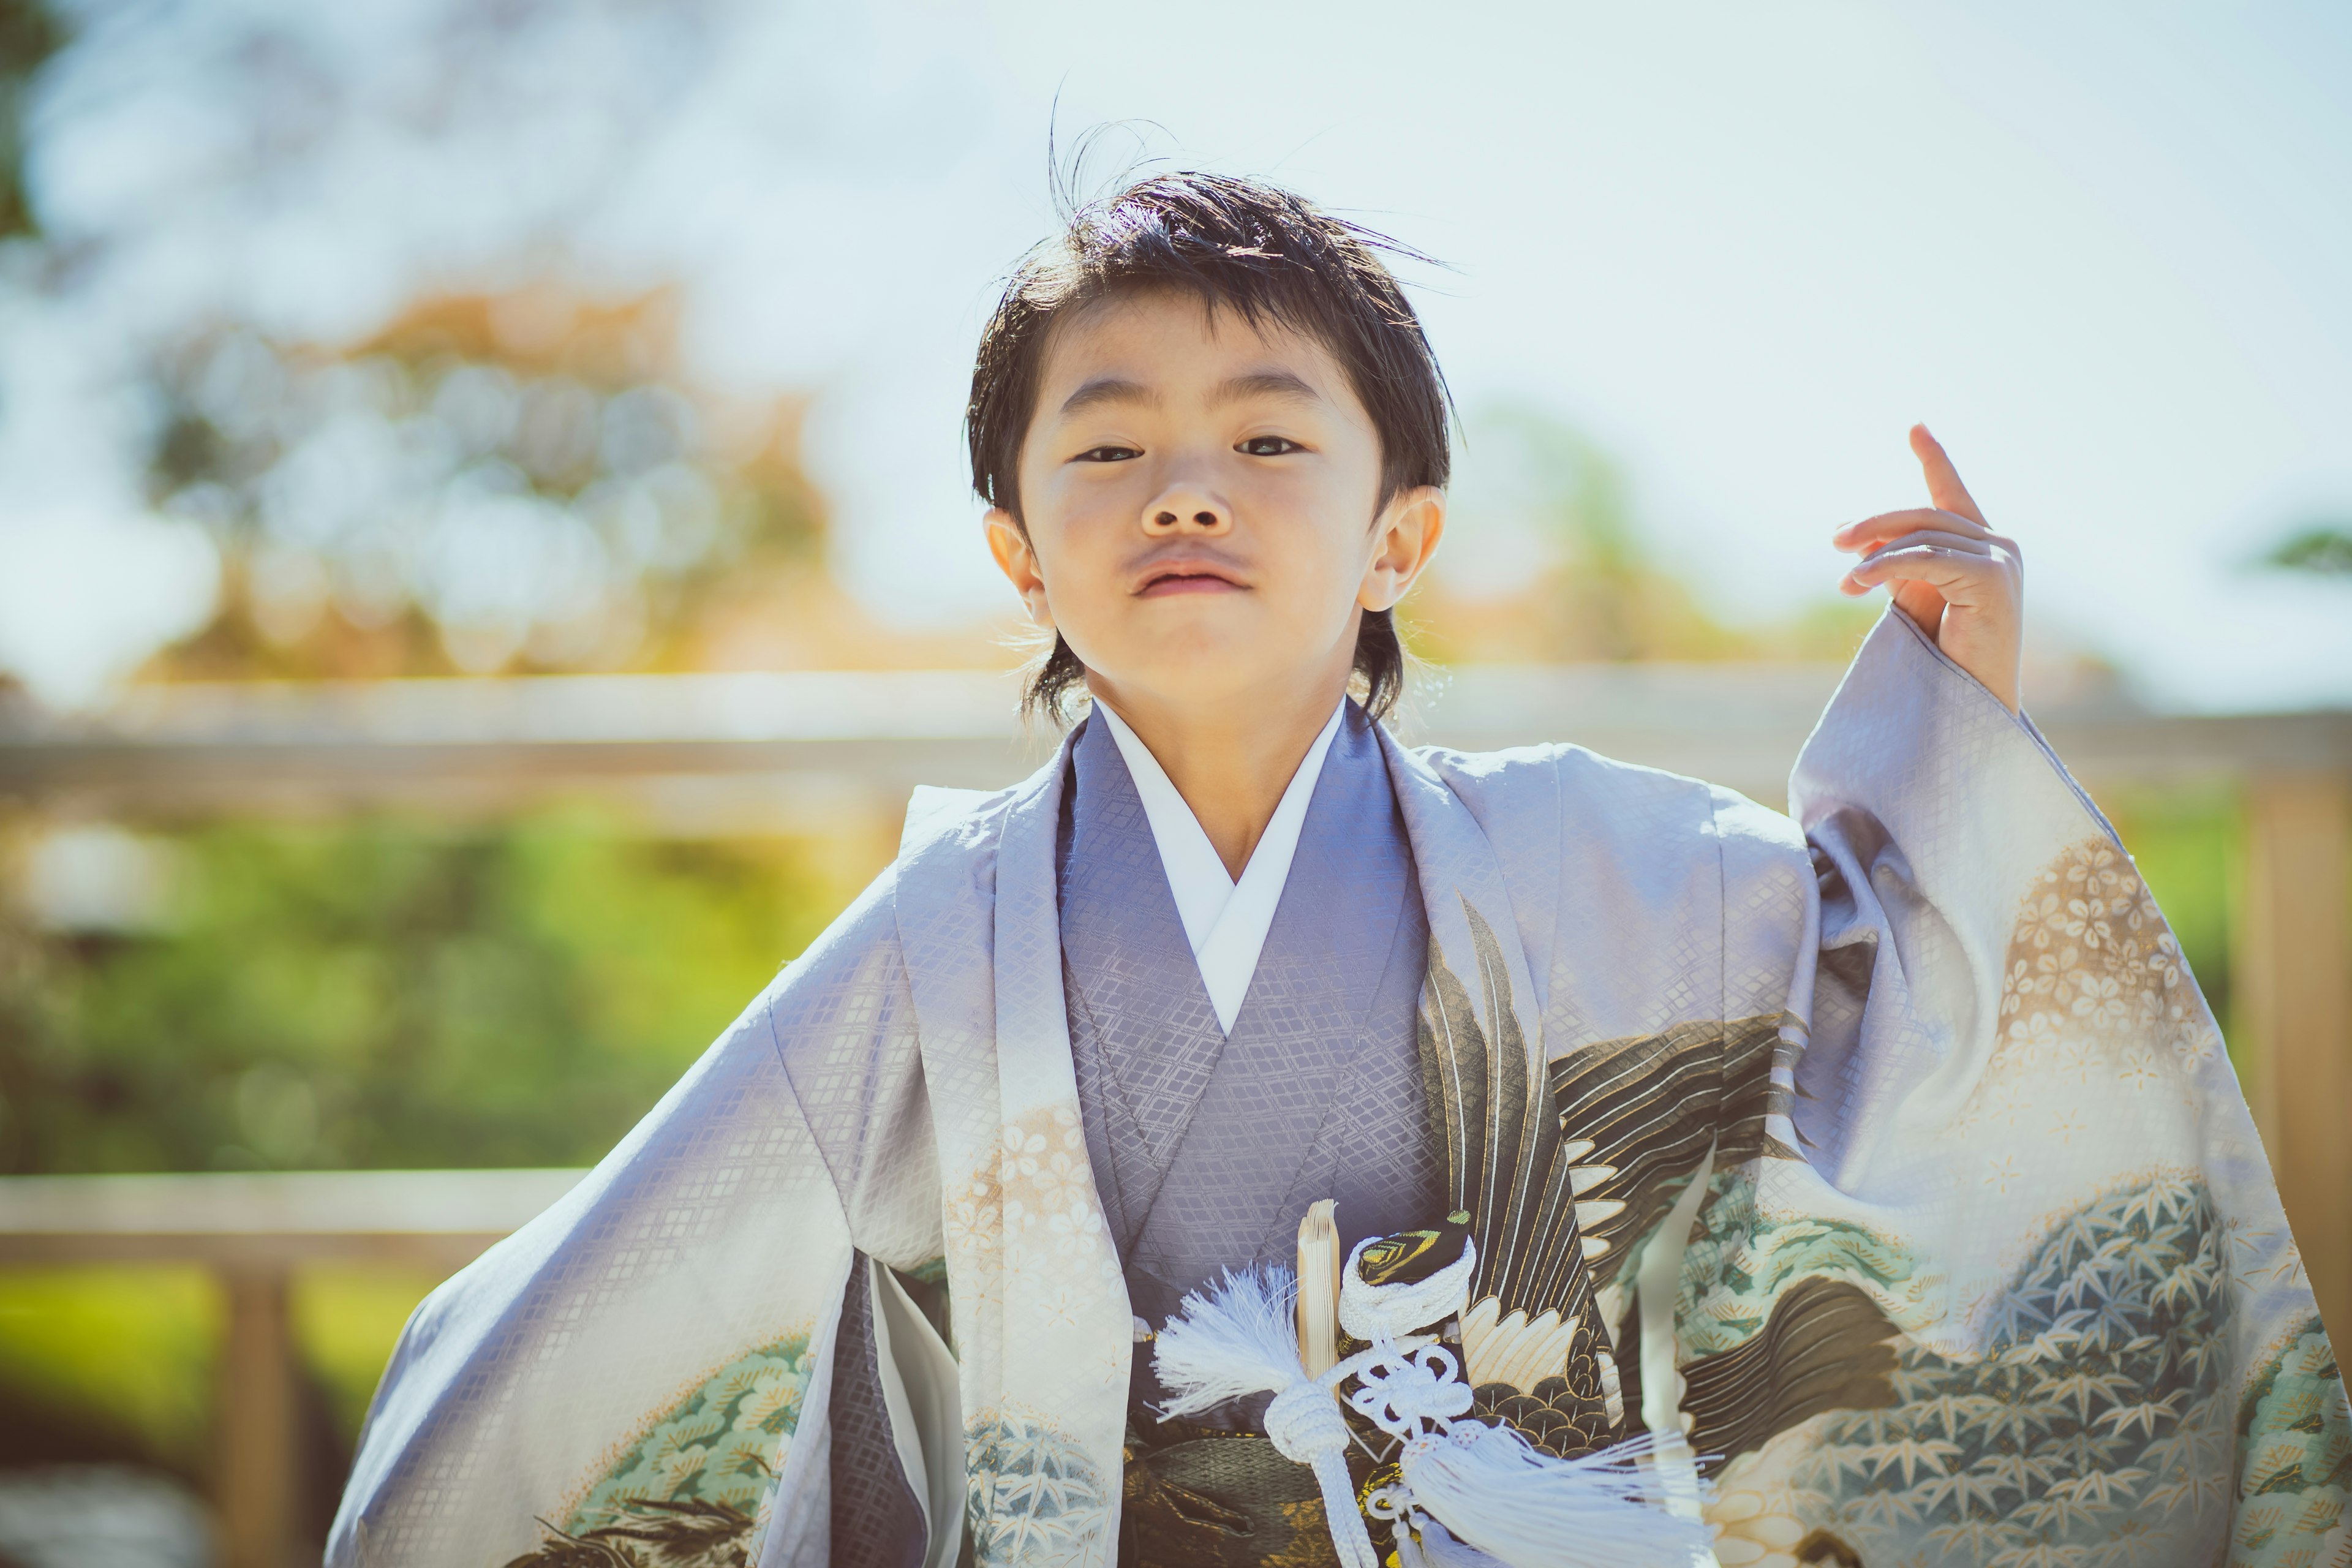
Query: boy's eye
{"type": "Point", "coordinates": [1108, 455]}
{"type": "Point", "coordinates": [1269, 447]}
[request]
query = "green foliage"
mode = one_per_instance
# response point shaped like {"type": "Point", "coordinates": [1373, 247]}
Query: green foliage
{"type": "Point", "coordinates": [119, 1358]}
{"type": "Point", "coordinates": [391, 992]}
{"type": "Point", "coordinates": [29, 35]}
{"type": "Point", "coordinates": [2324, 549]}
{"type": "Point", "coordinates": [382, 991]}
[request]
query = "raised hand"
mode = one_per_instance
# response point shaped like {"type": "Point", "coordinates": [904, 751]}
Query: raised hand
{"type": "Point", "coordinates": [1963, 583]}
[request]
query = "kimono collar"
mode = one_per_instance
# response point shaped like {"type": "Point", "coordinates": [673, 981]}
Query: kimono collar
{"type": "Point", "coordinates": [1225, 921]}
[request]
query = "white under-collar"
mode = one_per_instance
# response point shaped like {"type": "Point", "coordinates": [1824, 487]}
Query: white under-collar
{"type": "Point", "coordinates": [1226, 920]}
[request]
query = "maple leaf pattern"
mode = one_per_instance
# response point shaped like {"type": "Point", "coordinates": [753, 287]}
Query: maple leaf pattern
{"type": "Point", "coordinates": [2097, 1426]}
{"type": "Point", "coordinates": [1032, 1496]}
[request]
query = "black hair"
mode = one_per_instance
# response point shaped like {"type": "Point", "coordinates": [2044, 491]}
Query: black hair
{"type": "Point", "coordinates": [1266, 254]}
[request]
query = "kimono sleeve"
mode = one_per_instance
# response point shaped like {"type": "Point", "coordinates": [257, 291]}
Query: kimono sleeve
{"type": "Point", "coordinates": [641, 1372]}
{"type": "Point", "coordinates": [2005, 1279]}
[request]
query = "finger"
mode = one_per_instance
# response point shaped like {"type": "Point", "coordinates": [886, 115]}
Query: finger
{"type": "Point", "coordinates": [1977, 540]}
{"type": "Point", "coordinates": [1944, 487]}
{"type": "Point", "coordinates": [1895, 524]}
{"type": "Point", "coordinates": [1935, 538]}
{"type": "Point", "coordinates": [1959, 577]}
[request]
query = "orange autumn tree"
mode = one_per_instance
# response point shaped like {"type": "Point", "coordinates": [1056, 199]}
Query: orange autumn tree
{"type": "Point", "coordinates": [515, 482]}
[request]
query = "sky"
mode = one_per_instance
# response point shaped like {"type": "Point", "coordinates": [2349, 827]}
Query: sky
{"type": "Point", "coordinates": [2099, 248]}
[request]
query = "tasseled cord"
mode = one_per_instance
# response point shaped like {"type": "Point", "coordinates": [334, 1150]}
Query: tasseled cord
{"type": "Point", "coordinates": [1241, 1339]}
{"type": "Point", "coordinates": [1526, 1509]}
{"type": "Point", "coordinates": [1499, 1497]}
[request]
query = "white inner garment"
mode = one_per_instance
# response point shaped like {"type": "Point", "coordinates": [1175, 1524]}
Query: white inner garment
{"type": "Point", "coordinates": [1226, 920]}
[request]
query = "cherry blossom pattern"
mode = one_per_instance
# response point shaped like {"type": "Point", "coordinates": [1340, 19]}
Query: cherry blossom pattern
{"type": "Point", "coordinates": [2093, 986]}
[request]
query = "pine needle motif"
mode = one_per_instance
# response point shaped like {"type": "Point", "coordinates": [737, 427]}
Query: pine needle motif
{"type": "Point", "coordinates": [2294, 1454]}
{"type": "Point", "coordinates": [657, 1536]}
{"type": "Point", "coordinates": [689, 1494]}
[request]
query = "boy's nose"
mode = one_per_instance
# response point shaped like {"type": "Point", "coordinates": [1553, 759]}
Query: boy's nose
{"type": "Point", "coordinates": [1185, 509]}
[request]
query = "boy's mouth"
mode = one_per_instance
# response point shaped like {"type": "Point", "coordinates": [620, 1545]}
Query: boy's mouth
{"type": "Point", "coordinates": [1187, 577]}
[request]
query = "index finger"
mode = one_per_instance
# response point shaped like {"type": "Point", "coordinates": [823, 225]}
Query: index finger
{"type": "Point", "coordinates": [1893, 524]}
{"type": "Point", "coordinates": [1944, 487]}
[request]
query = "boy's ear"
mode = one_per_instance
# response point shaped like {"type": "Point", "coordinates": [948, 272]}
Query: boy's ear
{"type": "Point", "coordinates": [1018, 560]}
{"type": "Point", "coordinates": [1404, 538]}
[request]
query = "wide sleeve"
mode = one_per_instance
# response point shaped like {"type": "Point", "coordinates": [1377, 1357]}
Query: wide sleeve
{"type": "Point", "coordinates": [642, 1373]}
{"type": "Point", "coordinates": [2005, 1279]}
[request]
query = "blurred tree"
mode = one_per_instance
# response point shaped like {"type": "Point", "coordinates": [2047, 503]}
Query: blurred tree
{"type": "Point", "coordinates": [2323, 549]}
{"type": "Point", "coordinates": [392, 992]}
{"type": "Point", "coordinates": [522, 481]}
{"type": "Point", "coordinates": [1576, 582]}
{"type": "Point", "coordinates": [30, 34]}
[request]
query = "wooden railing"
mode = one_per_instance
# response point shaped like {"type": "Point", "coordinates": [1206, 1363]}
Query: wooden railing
{"type": "Point", "coordinates": [254, 1231]}
{"type": "Point", "coordinates": [836, 751]}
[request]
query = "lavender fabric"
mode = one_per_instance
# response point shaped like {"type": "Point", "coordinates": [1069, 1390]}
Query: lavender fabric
{"type": "Point", "coordinates": [1209, 1148]}
{"type": "Point", "coordinates": [2001, 1152]}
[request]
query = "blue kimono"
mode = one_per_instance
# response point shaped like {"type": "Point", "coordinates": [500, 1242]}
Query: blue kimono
{"type": "Point", "coordinates": [1893, 1143]}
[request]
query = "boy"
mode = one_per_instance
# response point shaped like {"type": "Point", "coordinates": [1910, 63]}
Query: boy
{"type": "Point", "coordinates": [1975, 1258]}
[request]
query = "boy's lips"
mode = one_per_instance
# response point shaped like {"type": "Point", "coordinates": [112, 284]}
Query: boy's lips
{"type": "Point", "coordinates": [1190, 577]}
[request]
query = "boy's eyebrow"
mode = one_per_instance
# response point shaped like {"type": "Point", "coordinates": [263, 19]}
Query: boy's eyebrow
{"type": "Point", "coordinates": [1281, 384]}
{"type": "Point", "coordinates": [1278, 384]}
{"type": "Point", "coordinates": [1106, 389]}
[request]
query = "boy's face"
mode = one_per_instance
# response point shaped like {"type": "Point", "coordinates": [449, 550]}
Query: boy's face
{"type": "Point", "coordinates": [1203, 507]}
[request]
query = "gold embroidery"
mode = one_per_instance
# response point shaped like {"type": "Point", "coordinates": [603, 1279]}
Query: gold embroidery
{"type": "Point", "coordinates": [1310, 1537]}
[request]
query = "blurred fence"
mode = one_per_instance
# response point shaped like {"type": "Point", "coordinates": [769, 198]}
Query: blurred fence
{"type": "Point", "coordinates": [836, 752]}
{"type": "Point", "coordinates": [254, 1231]}
{"type": "Point", "coordinates": [767, 745]}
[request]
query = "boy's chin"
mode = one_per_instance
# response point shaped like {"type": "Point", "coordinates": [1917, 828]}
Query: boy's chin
{"type": "Point", "coordinates": [1217, 684]}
